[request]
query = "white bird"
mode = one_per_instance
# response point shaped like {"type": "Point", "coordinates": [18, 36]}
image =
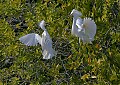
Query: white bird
{"type": "Point", "coordinates": [45, 41]}
{"type": "Point", "coordinates": [85, 28]}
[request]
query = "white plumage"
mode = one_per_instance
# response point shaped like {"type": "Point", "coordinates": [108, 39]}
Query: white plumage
{"type": "Point", "coordinates": [45, 41]}
{"type": "Point", "coordinates": [90, 27]}
{"type": "Point", "coordinates": [85, 28]}
{"type": "Point", "coordinates": [31, 39]}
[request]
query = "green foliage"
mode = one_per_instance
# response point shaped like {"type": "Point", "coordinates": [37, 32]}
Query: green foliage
{"type": "Point", "coordinates": [89, 64]}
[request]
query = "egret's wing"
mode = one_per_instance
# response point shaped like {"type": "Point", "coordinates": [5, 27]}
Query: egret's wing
{"type": "Point", "coordinates": [86, 39]}
{"type": "Point", "coordinates": [30, 39]}
{"type": "Point", "coordinates": [38, 38]}
{"type": "Point", "coordinates": [79, 22]}
{"type": "Point", "coordinates": [90, 27]}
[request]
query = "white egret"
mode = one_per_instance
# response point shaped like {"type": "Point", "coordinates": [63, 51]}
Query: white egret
{"type": "Point", "coordinates": [45, 41]}
{"type": "Point", "coordinates": [85, 28]}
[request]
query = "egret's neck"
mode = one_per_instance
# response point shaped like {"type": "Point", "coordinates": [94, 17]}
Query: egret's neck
{"type": "Point", "coordinates": [74, 27]}
{"type": "Point", "coordinates": [43, 27]}
{"type": "Point", "coordinates": [74, 21]}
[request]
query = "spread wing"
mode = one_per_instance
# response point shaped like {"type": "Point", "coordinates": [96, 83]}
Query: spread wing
{"type": "Point", "coordinates": [90, 27]}
{"type": "Point", "coordinates": [31, 39]}
{"type": "Point", "coordinates": [38, 38]}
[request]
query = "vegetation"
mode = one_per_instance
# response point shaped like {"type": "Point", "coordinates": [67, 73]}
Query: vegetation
{"type": "Point", "coordinates": [89, 64]}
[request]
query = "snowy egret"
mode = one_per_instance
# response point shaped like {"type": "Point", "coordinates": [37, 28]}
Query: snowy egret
{"type": "Point", "coordinates": [85, 28]}
{"type": "Point", "coordinates": [45, 41]}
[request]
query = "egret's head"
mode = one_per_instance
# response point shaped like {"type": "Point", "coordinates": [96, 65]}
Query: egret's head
{"type": "Point", "coordinates": [42, 24]}
{"type": "Point", "coordinates": [76, 13]}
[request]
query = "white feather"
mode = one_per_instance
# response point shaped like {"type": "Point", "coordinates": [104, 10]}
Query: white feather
{"type": "Point", "coordinates": [48, 51]}
{"type": "Point", "coordinates": [42, 25]}
{"type": "Point", "coordinates": [79, 22]}
{"type": "Point", "coordinates": [31, 39]}
{"type": "Point", "coordinates": [48, 54]}
{"type": "Point", "coordinates": [90, 27]}
{"type": "Point", "coordinates": [84, 29]}
{"type": "Point", "coordinates": [76, 13]}
{"type": "Point", "coordinates": [45, 41]}
{"type": "Point", "coordinates": [38, 38]}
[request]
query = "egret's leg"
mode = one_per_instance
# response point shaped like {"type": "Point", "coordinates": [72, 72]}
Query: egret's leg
{"type": "Point", "coordinates": [78, 44]}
